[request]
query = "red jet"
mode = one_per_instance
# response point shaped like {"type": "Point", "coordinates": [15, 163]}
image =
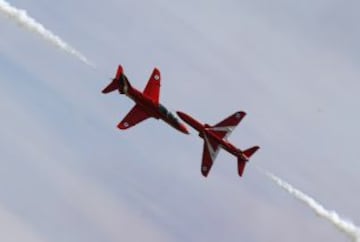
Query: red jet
{"type": "Point", "coordinates": [147, 102]}
{"type": "Point", "coordinates": [216, 137]}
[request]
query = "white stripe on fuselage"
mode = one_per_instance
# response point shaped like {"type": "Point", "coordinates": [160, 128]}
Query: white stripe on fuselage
{"type": "Point", "coordinates": [227, 129]}
{"type": "Point", "coordinates": [126, 88]}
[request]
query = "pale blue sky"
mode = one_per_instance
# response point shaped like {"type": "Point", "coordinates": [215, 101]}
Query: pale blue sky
{"type": "Point", "coordinates": [69, 175]}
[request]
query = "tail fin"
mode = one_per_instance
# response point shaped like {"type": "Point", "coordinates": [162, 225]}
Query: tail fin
{"type": "Point", "coordinates": [114, 85]}
{"type": "Point", "coordinates": [245, 154]}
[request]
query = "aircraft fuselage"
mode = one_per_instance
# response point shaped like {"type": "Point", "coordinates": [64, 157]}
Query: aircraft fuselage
{"type": "Point", "coordinates": [205, 131]}
{"type": "Point", "coordinates": [155, 110]}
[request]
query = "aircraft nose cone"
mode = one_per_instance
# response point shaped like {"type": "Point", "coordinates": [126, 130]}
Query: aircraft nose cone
{"type": "Point", "coordinates": [182, 115]}
{"type": "Point", "coordinates": [184, 129]}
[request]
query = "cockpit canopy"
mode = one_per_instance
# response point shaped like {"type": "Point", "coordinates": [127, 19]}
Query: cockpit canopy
{"type": "Point", "coordinates": [167, 113]}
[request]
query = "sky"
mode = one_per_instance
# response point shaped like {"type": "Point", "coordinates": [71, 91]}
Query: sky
{"type": "Point", "coordinates": [68, 174]}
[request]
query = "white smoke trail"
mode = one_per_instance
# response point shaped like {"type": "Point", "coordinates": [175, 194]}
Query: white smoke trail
{"type": "Point", "coordinates": [22, 19]}
{"type": "Point", "coordinates": [341, 224]}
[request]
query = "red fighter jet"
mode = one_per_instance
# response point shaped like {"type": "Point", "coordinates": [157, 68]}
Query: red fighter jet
{"type": "Point", "coordinates": [147, 102]}
{"type": "Point", "coordinates": [216, 137]}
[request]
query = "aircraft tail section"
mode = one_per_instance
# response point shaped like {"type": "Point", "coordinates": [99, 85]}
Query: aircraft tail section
{"type": "Point", "coordinates": [245, 154]}
{"type": "Point", "coordinates": [249, 152]}
{"type": "Point", "coordinates": [114, 85]}
{"type": "Point", "coordinates": [119, 72]}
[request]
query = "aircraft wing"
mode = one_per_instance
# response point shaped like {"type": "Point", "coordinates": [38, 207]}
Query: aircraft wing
{"type": "Point", "coordinates": [225, 127]}
{"type": "Point", "coordinates": [135, 116]}
{"type": "Point", "coordinates": [210, 152]}
{"type": "Point", "coordinates": [152, 88]}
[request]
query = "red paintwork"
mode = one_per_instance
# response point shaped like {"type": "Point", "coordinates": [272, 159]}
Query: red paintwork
{"type": "Point", "coordinates": [152, 89]}
{"type": "Point", "coordinates": [147, 102]}
{"type": "Point", "coordinates": [215, 137]}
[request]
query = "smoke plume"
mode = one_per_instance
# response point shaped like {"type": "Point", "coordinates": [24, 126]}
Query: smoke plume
{"type": "Point", "coordinates": [22, 19]}
{"type": "Point", "coordinates": [341, 224]}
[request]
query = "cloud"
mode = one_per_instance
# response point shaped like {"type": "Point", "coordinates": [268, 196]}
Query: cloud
{"type": "Point", "coordinates": [13, 229]}
{"type": "Point", "coordinates": [111, 216]}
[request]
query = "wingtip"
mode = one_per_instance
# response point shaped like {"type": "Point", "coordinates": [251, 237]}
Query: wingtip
{"type": "Point", "coordinates": [156, 73]}
{"type": "Point", "coordinates": [204, 171]}
{"type": "Point", "coordinates": [123, 125]}
{"type": "Point", "coordinates": [240, 114]}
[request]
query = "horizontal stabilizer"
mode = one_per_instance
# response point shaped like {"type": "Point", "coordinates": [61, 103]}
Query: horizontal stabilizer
{"type": "Point", "coordinates": [114, 85]}
{"type": "Point", "coordinates": [245, 154]}
{"type": "Point", "coordinates": [249, 152]}
{"type": "Point", "coordinates": [241, 166]}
